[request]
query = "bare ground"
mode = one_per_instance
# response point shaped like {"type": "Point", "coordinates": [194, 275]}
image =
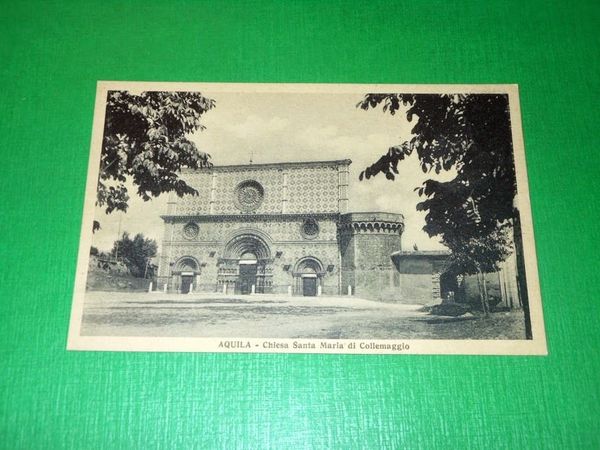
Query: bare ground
{"type": "Point", "coordinates": [271, 316]}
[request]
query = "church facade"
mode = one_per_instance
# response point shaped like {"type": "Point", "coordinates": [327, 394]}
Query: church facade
{"type": "Point", "coordinates": [285, 228]}
{"type": "Point", "coordinates": [277, 228]}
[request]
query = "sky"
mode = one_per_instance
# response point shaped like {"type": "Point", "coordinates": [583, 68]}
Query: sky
{"type": "Point", "coordinates": [271, 127]}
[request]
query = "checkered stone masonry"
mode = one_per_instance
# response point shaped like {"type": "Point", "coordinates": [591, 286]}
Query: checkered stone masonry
{"type": "Point", "coordinates": [287, 212]}
{"type": "Point", "coordinates": [288, 188]}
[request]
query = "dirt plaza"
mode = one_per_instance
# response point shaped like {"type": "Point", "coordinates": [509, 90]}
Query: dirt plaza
{"type": "Point", "coordinates": [278, 316]}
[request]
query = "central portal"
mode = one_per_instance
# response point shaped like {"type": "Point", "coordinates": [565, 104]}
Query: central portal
{"type": "Point", "coordinates": [248, 270]}
{"type": "Point", "coordinates": [246, 266]}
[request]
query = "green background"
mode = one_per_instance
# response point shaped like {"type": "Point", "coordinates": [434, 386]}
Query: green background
{"type": "Point", "coordinates": [52, 53]}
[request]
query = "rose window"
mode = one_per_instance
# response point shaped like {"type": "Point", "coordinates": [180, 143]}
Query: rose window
{"type": "Point", "coordinates": [249, 195]}
{"type": "Point", "coordinates": [190, 231]}
{"type": "Point", "coordinates": [310, 228]}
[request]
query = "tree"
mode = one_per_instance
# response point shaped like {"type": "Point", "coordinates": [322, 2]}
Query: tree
{"type": "Point", "coordinates": [470, 134]}
{"type": "Point", "coordinates": [135, 253]}
{"type": "Point", "coordinates": [145, 140]}
{"type": "Point", "coordinates": [478, 256]}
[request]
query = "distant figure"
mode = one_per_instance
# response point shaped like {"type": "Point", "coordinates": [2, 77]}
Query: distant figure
{"type": "Point", "coordinates": [415, 248]}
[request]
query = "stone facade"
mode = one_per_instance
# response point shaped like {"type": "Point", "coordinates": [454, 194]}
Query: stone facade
{"type": "Point", "coordinates": [276, 228]}
{"type": "Point", "coordinates": [284, 228]}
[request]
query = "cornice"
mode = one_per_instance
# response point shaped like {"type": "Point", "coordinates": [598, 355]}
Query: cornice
{"type": "Point", "coordinates": [422, 254]}
{"type": "Point", "coordinates": [278, 165]}
{"type": "Point", "coordinates": [246, 217]}
{"type": "Point", "coordinates": [201, 243]}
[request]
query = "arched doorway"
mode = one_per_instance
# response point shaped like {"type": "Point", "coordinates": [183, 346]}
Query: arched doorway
{"type": "Point", "coordinates": [185, 272]}
{"type": "Point", "coordinates": [246, 265]}
{"type": "Point", "coordinates": [308, 274]}
{"type": "Point", "coordinates": [248, 268]}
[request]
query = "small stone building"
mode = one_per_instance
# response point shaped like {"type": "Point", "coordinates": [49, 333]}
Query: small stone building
{"type": "Point", "coordinates": [421, 276]}
{"type": "Point", "coordinates": [423, 279]}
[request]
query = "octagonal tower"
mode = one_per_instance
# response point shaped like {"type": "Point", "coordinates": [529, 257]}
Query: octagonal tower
{"type": "Point", "coordinates": [367, 241]}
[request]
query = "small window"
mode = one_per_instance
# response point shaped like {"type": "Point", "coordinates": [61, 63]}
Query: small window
{"type": "Point", "coordinates": [310, 228]}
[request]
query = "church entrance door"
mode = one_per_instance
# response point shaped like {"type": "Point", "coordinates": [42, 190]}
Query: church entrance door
{"type": "Point", "coordinates": [309, 286]}
{"type": "Point", "coordinates": [247, 278]}
{"type": "Point", "coordinates": [186, 282]}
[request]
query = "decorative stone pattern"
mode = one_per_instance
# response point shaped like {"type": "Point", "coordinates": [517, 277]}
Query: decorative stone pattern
{"type": "Point", "coordinates": [290, 216]}
{"type": "Point", "coordinates": [283, 237]}
{"type": "Point", "coordinates": [244, 191]}
{"type": "Point", "coordinates": [194, 204]}
{"type": "Point", "coordinates": [280, 228]}
{"type": "Point", "coordinates": [283, 188]}
{"type": "Point", "coordinates": [313, 189]}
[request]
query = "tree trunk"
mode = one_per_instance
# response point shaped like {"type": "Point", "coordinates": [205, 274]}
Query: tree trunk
{"type": "Point", "coordinates": [486, 298]}
{"type": "Point", "coordinates": [521, 279]}
{"type": "Point", "coordinates": [481, 293]}
{"type": "Point", "coordinates": [503, 294]}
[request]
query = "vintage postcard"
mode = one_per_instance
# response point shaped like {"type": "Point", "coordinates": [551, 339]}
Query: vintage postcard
{"type": "Point", "coordinates": [307, 218]}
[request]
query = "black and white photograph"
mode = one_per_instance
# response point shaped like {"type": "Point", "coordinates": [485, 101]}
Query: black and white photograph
{"type": "Point", "coordinates": [307, 218]}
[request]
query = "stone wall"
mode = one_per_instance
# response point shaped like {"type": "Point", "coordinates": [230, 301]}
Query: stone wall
{"type": "Point", "coordinates": [418, 276]}
{"type": "Point", "coordinates": [283, 237]}
{"type": "Point", "coordinates": [286, 212]}
{"type": "Point", "coordinates": [289, 210]}
{"type": "Point", "coordinates": [367, 241]}
{"type": "Point", "coordinates": [287, 188]}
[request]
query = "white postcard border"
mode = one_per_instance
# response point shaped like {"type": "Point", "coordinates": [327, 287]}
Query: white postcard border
{"type": "Point", "coordinates": [535, 346]}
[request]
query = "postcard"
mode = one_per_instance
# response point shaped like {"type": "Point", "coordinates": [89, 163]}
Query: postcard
{"type": "Point", "coordinates": [307, 218]}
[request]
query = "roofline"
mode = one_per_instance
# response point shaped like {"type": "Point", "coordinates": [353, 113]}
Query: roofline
{"type": "Point", "coordinates": [246, 216]}
{"type": "Point", "coordinates": [372, 212]}
{"type": "Point", "coordinates": [338, 162]}
{"type": "Point", "coordinates": [422, 253]}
